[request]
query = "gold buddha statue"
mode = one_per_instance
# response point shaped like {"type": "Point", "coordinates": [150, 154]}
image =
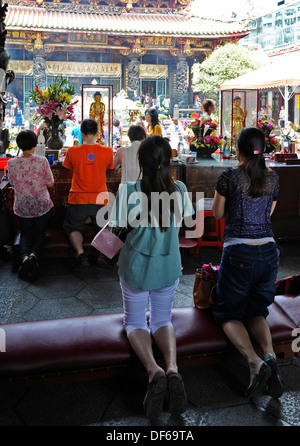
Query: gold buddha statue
{"type": "Point", "coordinates": [238, 117]}
{"type": "Point", "coordinates": [97, 111]}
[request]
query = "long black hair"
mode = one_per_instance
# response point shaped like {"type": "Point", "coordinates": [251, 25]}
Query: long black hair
{"type": "Point", "coordinates": [155, 155]}
{"type": "Point", "coordinates": [251, 144]}
{"type": "Point", "coordinates": [154, 116]}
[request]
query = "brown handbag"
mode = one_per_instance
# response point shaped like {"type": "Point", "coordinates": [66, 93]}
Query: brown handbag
{"type": "Point", "coordinates": [205, 286]}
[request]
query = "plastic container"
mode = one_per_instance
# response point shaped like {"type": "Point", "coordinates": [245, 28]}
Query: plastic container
{"type": "Point", "coordinates": [3, 164]}
{"type": "Point", "coordinates": [62, 154]}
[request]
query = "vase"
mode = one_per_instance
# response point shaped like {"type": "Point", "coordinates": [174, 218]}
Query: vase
{"type": "Point", "coordinates": [54, 142]}
{"type": "Point", "coordinates": [203, 152]}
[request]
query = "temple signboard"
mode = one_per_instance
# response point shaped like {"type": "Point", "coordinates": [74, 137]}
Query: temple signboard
{"type": "Point", "coordinates": [88, 38]}
{"type": "Point", "coordinates": [159, 41]}
{"type": "Point", "coordinates": [84, 69]}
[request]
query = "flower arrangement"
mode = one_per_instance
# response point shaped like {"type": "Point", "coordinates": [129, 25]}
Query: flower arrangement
{"type": "Point", "coordinates": [272, 143]}
{"type": "Point", "coordinates": [54, 103]}
{"type": "Point", "coordinates": [205, 133]}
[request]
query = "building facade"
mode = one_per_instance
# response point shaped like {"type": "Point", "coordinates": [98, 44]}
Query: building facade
{"type": "Point", "coordinates": [277, 31]}
{"type": "Point", "coordinates": [145, 46]}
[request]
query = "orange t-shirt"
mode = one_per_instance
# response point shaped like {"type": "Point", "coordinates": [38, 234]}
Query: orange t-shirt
{"type": "Point", "coordinates": [89, 163]}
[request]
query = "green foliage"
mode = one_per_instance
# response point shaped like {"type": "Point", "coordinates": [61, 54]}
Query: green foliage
{"type": "Point", "coordinates": [225, 63]}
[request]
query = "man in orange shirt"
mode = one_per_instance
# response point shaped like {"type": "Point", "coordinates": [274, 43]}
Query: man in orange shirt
{"type": "Point", "coordinates": [88, 162]}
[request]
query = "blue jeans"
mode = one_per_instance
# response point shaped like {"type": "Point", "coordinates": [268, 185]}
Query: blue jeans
{"type": "Point", "coordinates": [246, 282]}
{"type": "Point", "coordinates": [33, 233]}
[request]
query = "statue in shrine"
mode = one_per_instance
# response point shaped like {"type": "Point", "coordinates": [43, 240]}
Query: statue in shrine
{"type": "Point", "coordinates": [97, 111]}
{"type": "Point", "coordinates": [238, 117]}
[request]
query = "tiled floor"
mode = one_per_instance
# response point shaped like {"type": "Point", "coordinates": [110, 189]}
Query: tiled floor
{"type": "Point", "coordinates": [212, 389]}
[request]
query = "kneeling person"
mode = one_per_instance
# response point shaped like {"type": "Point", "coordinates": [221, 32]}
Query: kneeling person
{"type": "Point", "coordinates": [88, 162]}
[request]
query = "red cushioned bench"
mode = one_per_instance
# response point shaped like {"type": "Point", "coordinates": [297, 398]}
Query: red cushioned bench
{"type": "Point", "coordinates": [93, 347]}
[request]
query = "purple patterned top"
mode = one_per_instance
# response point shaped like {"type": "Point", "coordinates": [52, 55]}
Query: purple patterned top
{"type": "Point", "coordinates": [247, 217]}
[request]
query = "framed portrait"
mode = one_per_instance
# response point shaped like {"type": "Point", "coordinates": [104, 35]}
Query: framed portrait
{"type": "Point", "coordinates": [97, 104]}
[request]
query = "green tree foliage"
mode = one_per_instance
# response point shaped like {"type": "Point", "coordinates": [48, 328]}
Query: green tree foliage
{"type": "Point", "coordinates": [225, 63]}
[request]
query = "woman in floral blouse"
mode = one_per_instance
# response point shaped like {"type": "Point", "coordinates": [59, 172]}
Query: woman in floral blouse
{"type": "Point", "coordinates": [31, 176]}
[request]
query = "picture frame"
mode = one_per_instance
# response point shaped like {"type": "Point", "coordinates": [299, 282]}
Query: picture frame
{"type": "Point", "coordinates": [88, 98]}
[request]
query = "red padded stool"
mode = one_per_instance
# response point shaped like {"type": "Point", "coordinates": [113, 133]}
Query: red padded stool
{"type": "Point", "coordinates": [219, 227]}
{"type": "Point", "coordinates": [188, 243]}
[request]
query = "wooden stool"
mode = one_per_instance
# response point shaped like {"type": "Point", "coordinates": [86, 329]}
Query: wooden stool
{"type": "Point", "coordinates": [219, 227]}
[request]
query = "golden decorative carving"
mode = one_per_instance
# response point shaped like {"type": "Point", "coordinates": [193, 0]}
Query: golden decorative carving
{"type": "Point", "coordinates": [28, 47]}
{"type": "Point", "coordinates": [35, 41]}
{"type": "Point", "coordinates": [174, 52]}
{"type": "Point", "coordinates": [125, 52]}
{"type": "Point", "coordinates": [24, 67]}
{"type": "Point", "coordinates": [187, 48]}
{"type": "Point", "coordinates": [137, 48]}
{"type": "Point", "coordinates": [154, 71]}
{"type": "Point", "coordinates": [202, 43]}
{"type": "Point", "coordinates": [38, 42]}
{"type": "Point", "coordinates": [83, 69]}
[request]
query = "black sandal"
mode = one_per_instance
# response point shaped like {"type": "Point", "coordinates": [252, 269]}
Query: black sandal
{"type": "Point", "coordinates": [153, 402]}
{"type": "Point", "coordinates": [177, 395]}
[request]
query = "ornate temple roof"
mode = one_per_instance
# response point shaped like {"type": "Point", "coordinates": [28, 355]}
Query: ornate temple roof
{"type": "Point", "coordinates": [41, 19]}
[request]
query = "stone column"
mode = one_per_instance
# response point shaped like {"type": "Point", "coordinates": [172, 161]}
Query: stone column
{"type": "Point", "coordinates": [181, 95]}
{"type": "Point", "coordinates": [133, 74]}
{"type": "Point", "coordinates": [39, 68]}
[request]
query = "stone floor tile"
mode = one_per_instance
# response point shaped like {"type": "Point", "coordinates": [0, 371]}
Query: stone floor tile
{"type": "Point", "coordinates": [71, 404]}
{"type": "Point", "coordinates": [58, 308]}
{"type": "Point", "coordinates": [101, 295]}
{"type": "Point", "coordinates": [53, 287]}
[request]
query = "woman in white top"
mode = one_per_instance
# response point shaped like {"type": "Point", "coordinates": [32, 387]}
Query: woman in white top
{"type": "Point", "coordinates": [127, 156]}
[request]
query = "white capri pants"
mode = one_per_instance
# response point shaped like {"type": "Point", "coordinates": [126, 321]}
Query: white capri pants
{"type": "Point", "coordinates": [135, 306]}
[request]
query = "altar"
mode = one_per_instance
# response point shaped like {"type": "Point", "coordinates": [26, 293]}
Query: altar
{"type": "Point", "coordinates": [198, 177]}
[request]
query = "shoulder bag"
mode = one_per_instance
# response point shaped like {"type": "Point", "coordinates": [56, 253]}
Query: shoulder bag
{"type": "Point", "coordinates": [205, 286]}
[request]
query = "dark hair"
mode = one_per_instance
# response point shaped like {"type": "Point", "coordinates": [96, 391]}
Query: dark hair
{"type": "Point", "coordinates": [207, 103]}
{"type": "Point", "coordinates": [116, 122]}
{"type": "Point", "coordinates": [26, 140]}
{"type": "Point", "coordinates": [251, 144]}
{"type": "Point", "coordinates": [136, 133]}
{"type": "Point", "coordinates": [154, 156]}
{"type": "Point", "coordinates": [154, 116]}
{"type": "Point", "coordinates": [89, 127]}
{"type": "Point", "coordinates": [97, 93]}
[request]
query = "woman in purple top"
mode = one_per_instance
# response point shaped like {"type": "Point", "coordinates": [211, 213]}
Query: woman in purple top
{"type": "Point", "coordinates": [247, 195]}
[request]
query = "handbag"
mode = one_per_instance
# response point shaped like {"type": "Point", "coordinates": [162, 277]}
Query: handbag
{"type": "Point", "coordinates": [107, 242]}
{"type": "Point", "coordinates": [205, 285]}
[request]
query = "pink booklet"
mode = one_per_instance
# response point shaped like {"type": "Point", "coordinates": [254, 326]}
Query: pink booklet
{"type": "Point", "coordinates": [107, 242]}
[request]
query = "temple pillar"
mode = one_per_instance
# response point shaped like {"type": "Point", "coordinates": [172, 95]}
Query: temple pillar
{"type": "Point", "coordinates": [39, 68]}
{"type": "Point", "coordinates": [181, 92]}
{"type": "Point", "coordinates": [133, 74]}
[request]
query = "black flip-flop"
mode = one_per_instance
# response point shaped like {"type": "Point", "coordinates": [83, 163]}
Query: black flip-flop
{"type": "Point", "coordinates": [29, 269]}
{"type": "Point", "coordinates": [153, 402]}
{"type": "Point", "coordinates": [177, 395]}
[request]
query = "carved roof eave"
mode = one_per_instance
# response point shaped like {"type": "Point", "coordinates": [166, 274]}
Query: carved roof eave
{"type": "Point", "coordinates": [135, 34]}
{"type": "Point", "coordinates": [38, 19]}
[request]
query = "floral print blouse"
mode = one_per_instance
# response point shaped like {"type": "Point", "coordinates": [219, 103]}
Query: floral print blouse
{"type": "Point", "coordinates": [30, 177]}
